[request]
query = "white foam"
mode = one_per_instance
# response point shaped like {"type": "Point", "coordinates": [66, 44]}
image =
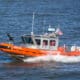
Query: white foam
{"type": "Point", "coordinates": [57, 58]}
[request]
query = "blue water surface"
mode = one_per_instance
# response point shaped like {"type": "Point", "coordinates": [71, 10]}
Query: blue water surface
{"type": "Point", "coordinates": [16, 18]}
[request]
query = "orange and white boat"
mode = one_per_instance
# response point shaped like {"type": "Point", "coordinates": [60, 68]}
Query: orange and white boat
{"type": "Point", "coordinates": [39, 45]}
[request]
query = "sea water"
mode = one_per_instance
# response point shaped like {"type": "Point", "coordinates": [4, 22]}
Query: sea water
{"type": "Point", "coordinates": [16, 19]}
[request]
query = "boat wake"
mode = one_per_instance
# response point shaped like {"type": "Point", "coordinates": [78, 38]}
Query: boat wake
{"type": "Point", "coordinates": [55, 58]}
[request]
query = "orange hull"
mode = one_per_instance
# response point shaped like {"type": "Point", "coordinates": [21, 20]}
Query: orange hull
{"type": "Point", "coordinates": [29, 52]}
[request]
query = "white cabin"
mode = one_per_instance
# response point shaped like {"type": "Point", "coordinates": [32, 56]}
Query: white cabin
{"type": "Point", "coordinates": [46, 42]}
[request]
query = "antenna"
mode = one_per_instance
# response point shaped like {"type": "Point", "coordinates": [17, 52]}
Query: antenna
{"type": "Point", "coordinates": [33, 24]}
{"type": "Point", "coordinates": [43, 25]}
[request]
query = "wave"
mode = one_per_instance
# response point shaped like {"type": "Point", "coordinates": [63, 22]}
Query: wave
{"type": "Point", "coordinates": [56, 58]}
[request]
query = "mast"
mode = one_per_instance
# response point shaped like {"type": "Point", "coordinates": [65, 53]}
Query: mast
{"type": "Point", "coordinates": [32, 33]}
{"type": "Point", "coordinates": [33, 24]}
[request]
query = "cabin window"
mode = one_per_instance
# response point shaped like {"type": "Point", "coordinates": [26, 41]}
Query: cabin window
{"type": "Point", "coordinates": [45, 42]}
{"type": "Point", "coordinates": [23, 40]}
{"type": "Point", "coordinates": [38, 41]}
{"type": "Point", "coordinates": [52, 42]}
{"type": "Point", "coordinates": [28, 40]}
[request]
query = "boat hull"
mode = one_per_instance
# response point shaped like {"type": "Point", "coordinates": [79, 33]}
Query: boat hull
{"type": "Point", "coordinates": [22, 52]}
